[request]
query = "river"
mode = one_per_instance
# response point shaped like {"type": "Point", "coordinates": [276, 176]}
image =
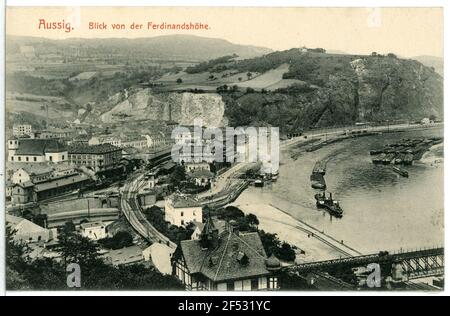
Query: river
{"type": "Point", "coordinates": [382, 211]}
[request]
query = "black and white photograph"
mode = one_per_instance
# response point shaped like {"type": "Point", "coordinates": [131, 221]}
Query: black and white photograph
{"type": "Point", "coordinates": [256, 149]}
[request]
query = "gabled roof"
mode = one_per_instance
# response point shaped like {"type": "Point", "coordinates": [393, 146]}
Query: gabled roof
{"type": "Point", "coordinates": [223, 263]}
{"type": "Point", "coordinates": [39, 147]}
{"type": "Point", "coordinates": [182, 201]}
{"type": "Point", "coordinates": [54, 183]}
{"type": "Point", "coordinates": [125, 255]}
{"type": "Point", "coordinates": [23, 226]}
{"type": "Point", "coordinates": [36, 169]}
{"type": "Point", "coordinates": [200, 173]}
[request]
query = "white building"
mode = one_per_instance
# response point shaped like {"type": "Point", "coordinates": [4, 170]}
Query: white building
{"type": "Point", "coordinates": [180, 210]}
{"type": "Point", "coordinates": [28, 232]}
{"type": "Point", "coordinates": [105, 139]}
{"type": "Point", "coordinates": [93, 230]}
{"type": "Point", "coordinates": [160, 255]}
{"type": "Point", "coordinates": [22, 129]}
{"type": "Point", "coordinates": [36, 150]}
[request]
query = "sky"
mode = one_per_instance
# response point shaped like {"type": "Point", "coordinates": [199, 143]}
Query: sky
{"type": "Point", "coordinates": [407, 32]}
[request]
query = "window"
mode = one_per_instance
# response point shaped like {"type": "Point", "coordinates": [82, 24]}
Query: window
{"type": "Point", "coordinates": [34, 159]}
{"type": "Point", "coordinates": [182, 214]}
{"type": "Point", "coordinates": [273, 283]}
{"type": "Point", "coordinates": [12, 158]}
{"type": "Point", "coordinates": [26, 158]}
{"type": "Point", "coordinates": [20, 158]}
{"type": "Point", "coordinates": [62, 157]}
{"type": "Point", "coordinates": [51, 158]}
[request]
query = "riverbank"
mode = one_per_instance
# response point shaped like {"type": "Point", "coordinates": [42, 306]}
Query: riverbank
{"type": "Point", "coordinates": [382, 211]}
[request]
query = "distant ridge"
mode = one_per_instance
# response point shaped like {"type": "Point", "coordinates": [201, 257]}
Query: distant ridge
{"type": "Point", "coordinates": [184, 47]}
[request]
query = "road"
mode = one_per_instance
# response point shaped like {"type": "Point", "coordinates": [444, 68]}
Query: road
{"type": "Point", "coordinates": [134, 213]}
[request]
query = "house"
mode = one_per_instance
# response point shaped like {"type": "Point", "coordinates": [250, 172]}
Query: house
{"type": "Point", "coordinates": [29, 192]}
{"type": "Point", "coordinates": [105, 139]}
{"type": "Point", "coordinates": [97, 157]}
{"type": "Point", "coordinates": [221, 226]}
{"type": "Point", "coordinates": [9, 189]}
{"type": "Point", "coordinates": [201, 177]}
{"type": "Point", "coordinates": [93, 230]}
{"type": "Point", "coordinates": [197, 230]}
{"type": "Point", "coordinates": [28, 232]}
{"type": "Point", "coordinates": [32, 173]}
{"type": "Point", "coordinates": [36, 150]}
{"type": "Point", "coordinates": [231, 261]}
{"type": "Point", "coordinates": [160, 255]}
{"type": "Point", "coordinates": [180, 210]}
{"type": "Point", "coordinates": [191, 166]}
{"type": "Point", "coordinates": [22, 129]}
{"type": "Point", "coordinates": [125, 256]}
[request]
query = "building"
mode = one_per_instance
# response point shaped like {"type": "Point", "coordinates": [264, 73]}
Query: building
{"type": "Point", "coordinates": [197, 230]}
{"type": "Point", "coordinates": [160, 255]}
{"type": "Point", "coordinates": [180, 210]}
{"type": "Point", "coordinates": [231, 261]}
{"type": "Point", "coordinates": [22, 129]}
{"type": "Point", "coordinates": [36, 150]}
{"type": "Point", "coordinates": [93, 230]}
{"type": "Point", "coordinates": [97, 157]}
{"type": "Point", "coordinates": [32, 173]}
{"type": "Point", "coordinates": [105, 139]}
{"type": "Point", "coordinates": [221, 226]}
{"type": "Point", "coordinates": [201, 178]}
{"type": "Point", "coordinates": [58, 133]}
{"type": "Point", "coordinates": [138, 142]}
{"type": "Point", "coordinates": [29, 192]}
{"type": "Point", "coordinates": [191, 166]}
{"type": "Point", "coordinates": [28, 232]}
{"type": "Point", "coordinates": [125, 256]}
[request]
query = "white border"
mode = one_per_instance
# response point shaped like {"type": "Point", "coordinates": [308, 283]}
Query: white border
{"type": "Point", "coordinates": [219, 3]}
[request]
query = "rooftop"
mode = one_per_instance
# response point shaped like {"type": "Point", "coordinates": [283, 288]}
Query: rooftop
{"type": "Point", "coordinates": [43, 186]}
{"type": "Point", "coordinates": [181, 201]}
{"type": "Point", "coordinates": [92, 224]}
{"type": "Point", "coordinates": [95, 149]}
{"type": "Point", "coordinates": [201, 173]}
{"type": "Point", "coordinates": [237, 256]}
{"type": "Point", "coordinates": [125, 255]}
{"type": "Point", "coordinates": [39, 147]}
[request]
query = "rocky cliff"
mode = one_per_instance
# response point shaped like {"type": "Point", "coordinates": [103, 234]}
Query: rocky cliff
{"type": "Point", "coordinates": [339, 90]}
{"type": "Point", "coordinates": [181, 107]}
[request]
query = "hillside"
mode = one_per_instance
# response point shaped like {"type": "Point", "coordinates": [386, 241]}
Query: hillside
{"type": "Point", "coordinates": [292, 89]}
{"type": "Point", "coordinates": [333, 89]}
{"type": "Point", "coordinates": [169, 47]}
{"type": "Point", "coordinates": [432, 61]}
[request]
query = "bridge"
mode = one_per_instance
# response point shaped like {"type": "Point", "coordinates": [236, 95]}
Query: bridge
{"type": "Point", "coordinates": [413, 265]}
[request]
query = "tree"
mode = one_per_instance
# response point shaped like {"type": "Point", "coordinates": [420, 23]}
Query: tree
{"type": "Point", "coordinates": [75, 248]}
{"type": "Point", "coordinates": [68, 227]}
{"type": "Point", "coordinates": [179, 80]}
{"type": "Point", "coordinates": [252, 220]}
{"type": "Point", "coordinates": [249, 75]}
{"type": "Point", "coordinates": [120, 240]}
{"type": "Point", "coordinates": [286, 252]}
{"type": "Point", "coordinates": [177, 176]}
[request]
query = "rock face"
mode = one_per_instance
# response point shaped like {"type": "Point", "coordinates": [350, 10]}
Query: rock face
{"type": "Point", "coordinates": [182, 108]}
{"type": "Point", "coordinates": [360, 88]}
{"type": "Point", "coordinates": [396, 88]}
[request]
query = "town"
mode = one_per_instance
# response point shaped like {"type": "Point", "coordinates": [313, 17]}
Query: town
{"type": "Point", "coordinates": [188, 163]}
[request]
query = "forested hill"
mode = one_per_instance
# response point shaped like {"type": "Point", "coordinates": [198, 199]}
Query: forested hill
{"type": "Point", "coordinates": [331, 89]}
